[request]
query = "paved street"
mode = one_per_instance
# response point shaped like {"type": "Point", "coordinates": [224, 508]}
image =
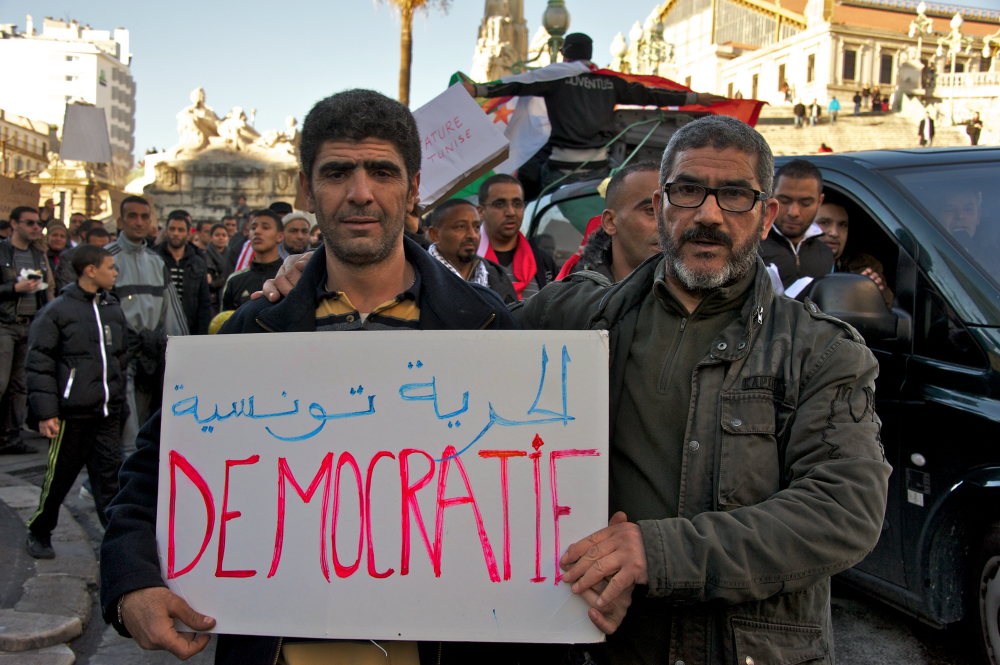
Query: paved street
{"type": "Point", "coordinates": [867, 632]}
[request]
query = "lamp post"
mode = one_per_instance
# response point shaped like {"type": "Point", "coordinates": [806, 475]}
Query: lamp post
{"type": "Point", "coordinates": [955, 41]}
{"type": "Point", "coordinates": [555, 20]}
{"type": "Point", "coordinates": [921, 26]}
{"type": "Point", "coordinates": [991, 43]}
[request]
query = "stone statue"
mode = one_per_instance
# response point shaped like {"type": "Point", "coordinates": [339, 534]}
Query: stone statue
{"type": "Point", "coordinates": [236, 132]}
{"type": "Point", "coordinates": [503, 40]}
{"type": "Point", "coordinates": [196, 124]}
{"type": "Point", "coordinates": [286, 142]}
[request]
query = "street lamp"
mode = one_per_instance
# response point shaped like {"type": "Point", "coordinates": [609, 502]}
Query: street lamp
{"type": "Point", "coordinates": [555, 20]}
{"type": "Point", "coordinates": [921, 26]}
{"type": "Point", "coordinates": [955, 41]}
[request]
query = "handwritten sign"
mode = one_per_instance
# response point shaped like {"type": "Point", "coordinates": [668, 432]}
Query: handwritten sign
{"type": "Point", "coordinates": [15, 192]}
{"type": "Point", "coordinates": [459, 143]}
{"type": "Point", "coordinates": [384, 485]}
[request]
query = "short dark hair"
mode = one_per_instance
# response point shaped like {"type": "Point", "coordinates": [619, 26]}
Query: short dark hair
{"type": "Point", "coordinates": [281, 208]}
{"type": "Point", "coordinates": [95, 232]}
{"type": "Point", "coordinates": [270, 214]}
{"type": "Point", "coordinates": [132, 199]}
{"type": "Point", "coordinates": [178, 216]}
{"type": "Point", "coordinates": [355, 115]}
{"type": "Point", "coordinates": [484, 189]}
{"type": "Point", "coordinates": [216, 227]}
{"type": "Point", "coordinates": [614, 191]}
{"type": "Point", "coordinates": [232, 217]}
{"type": "Point", "coordinates": [75, 214]}
{"type": "Point", "coordinates": [200, 225]}
{"type": "Point", "coordinates": [800, 168]}
{"type": "Point", "coordinates": [88, 224]}
{"type": "Point", "coordinates": [439, 213]}
{"type": "Point", "coordinates": [15, 214]}
{"type": "Point", "coordinates": [88, 255]}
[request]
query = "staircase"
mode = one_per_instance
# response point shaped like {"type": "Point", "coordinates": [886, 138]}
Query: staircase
{"type": "Point", "coordinates": [868, 131]}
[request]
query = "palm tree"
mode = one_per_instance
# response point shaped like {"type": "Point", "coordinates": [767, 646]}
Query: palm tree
{"type": "Point", "coordinates": [406, 10]}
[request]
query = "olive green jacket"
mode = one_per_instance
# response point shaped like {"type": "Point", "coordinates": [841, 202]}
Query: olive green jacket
{"type": "Point", "coordinates": [785, 486]}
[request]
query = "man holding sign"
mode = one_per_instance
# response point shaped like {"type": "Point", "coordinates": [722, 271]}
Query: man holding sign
{"type": "Point", "coordinates": [360, 156]}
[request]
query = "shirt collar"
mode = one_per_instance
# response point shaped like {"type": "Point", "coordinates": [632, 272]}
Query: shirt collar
{"type": "Point", "coordinates": [412, 293]}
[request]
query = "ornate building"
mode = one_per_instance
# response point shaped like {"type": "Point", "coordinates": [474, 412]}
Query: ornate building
{"type": "Point", "coordinates": [503, 40]}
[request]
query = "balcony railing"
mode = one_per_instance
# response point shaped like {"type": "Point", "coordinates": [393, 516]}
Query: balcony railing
{"type": "Point", "coordinates": [968, 80]}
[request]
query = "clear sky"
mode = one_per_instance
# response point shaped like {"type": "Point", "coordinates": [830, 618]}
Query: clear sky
{"type": "Point", "coordinates": [282, 59]}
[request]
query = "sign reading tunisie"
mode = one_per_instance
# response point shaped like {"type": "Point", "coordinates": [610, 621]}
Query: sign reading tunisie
{"type": "Point", "coordinates": [367, 486]}
{"type": "Point", "coordinates": [459, 143]}
{"type": "Point", "coordinates": [14, 193]}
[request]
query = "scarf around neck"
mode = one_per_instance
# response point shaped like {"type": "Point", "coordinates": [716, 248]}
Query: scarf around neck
{"type": "Point", "coordinates": [525, 267]}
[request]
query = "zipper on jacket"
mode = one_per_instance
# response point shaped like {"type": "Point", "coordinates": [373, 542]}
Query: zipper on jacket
{"type": "Point", "coordinates": [259, 323]}
{"type": "Point", "coordinates": [277, 654]}
{"type": "Point", "coordinates": [488, 321]}
{"type": "Point", "coordinates": [104, 358]}
{"type": "Point", "coordinates": [69, 383]}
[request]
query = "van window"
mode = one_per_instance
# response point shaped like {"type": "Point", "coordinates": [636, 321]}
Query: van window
{"type": "Point", "coordinates": [938, 332]}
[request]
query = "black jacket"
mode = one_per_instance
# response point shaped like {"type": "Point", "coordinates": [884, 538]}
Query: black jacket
{"type": "Point", "coordinates": [128, 553]}
{"type": "Point", "coordinates": [814, 259]}
{"type": "Point", "coordinates": [920, 129]}
{"type": "Point", "coordinates": [582, 108]}
{"type": "Point", "coordinates": [234, 247]}
{"type": "Point", "coordinates": [499, 282]}
{"type": "Point", "coordinates": [220, 269]}
{"type": "Point", "coordinates": [241, 285]}
{"type": "Point", "coordinates": [67, 374]}
{"type": "Point", "coordinates": [597, 255]}
{"type": "Point", "coordinates": [8, 277]}
{"type": "Point", "coordinates": [65, 275]}
{"type": "Point", "coordinates": [195, 298]}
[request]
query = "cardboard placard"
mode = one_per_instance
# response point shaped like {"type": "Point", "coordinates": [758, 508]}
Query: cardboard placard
{"type": "Point", "coordinates": [15, 192]}
{"type": "Point", "coordinates": [384, 485]}
{"type": "Point", "coordinates": [459, 143]}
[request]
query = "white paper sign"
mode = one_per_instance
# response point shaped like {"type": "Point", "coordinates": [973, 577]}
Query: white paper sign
{"type": "Point", "coordinates": [459, 143]}
{"type": "Point", "coordinates": [384, 485]}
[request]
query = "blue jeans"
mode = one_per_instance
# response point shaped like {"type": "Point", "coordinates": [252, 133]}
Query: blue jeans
{"type": "Point", "coordinates": [857, 108]}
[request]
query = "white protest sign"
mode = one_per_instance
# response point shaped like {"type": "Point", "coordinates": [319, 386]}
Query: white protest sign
{"type": "Point", "coordinates": [384, 485]}
{"type": "Point", "coordinates": [459, 143]}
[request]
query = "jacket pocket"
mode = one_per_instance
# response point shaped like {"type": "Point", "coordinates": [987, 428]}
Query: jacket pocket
{"type": "Point", "coordinates": [761, 643]}
{"type": "Point", "coordinates": [749, 469]}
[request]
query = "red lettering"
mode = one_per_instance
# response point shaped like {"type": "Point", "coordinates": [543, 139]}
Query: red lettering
{"type": "Point", "coordinates": [448, 149]}
{"type": "Point", "coordinates": [325, 469]}
{"type": "Point", "coordinates": [448, 126]}
{"type": "Point", "coordinates": [178, 461]}
{"type": "Point", "coordinates": [503, 455]}
{"type": "Point", "coordinates": [368, 516]}
{"type": "Point", "coordinates": [410, 500]}
{"type": "Point", "coordinates": [226, 516]}
{"type": "Point", "coordinates": [458, 122]}
{"type": "Point", "coordinates": [534, 457]}
{"type": "Point", "coordinates": [428, 142]}
{"type": "Point", "coordinates": [468, 133]}
{"type": "Point", "coordinates": [461, 139]}
{"type": "Point", "coordinates": [450, 455]}
{"type": "Point", "coordinates": [557, 510]}
{"type": "Point", "coordinates": [347, 571]}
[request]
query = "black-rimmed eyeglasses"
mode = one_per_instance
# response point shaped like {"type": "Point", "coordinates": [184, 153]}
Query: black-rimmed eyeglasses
{"type": "Point", "coordinates": [730, 199]}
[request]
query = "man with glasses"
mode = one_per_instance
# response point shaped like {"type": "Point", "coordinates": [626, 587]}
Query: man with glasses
{"type": "Point", "coordinates": [745, 464]}
{"type": "Point", "coordinates": [501, 207]}
{"type": "Point", "coordinates": [24, 289]}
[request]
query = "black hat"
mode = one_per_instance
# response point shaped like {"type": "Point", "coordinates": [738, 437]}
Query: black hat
{"type": "Point", "coordinates": [577, 46]}
{"type": "Point", "coordinates": [281, 208]}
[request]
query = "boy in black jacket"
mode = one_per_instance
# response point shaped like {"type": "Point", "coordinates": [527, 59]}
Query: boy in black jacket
{"type": "Point", "coordinates": [76, 390]}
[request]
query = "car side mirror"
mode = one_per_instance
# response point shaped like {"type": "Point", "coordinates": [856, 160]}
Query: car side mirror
{"type": "Point", "coordinates": [857, 300]}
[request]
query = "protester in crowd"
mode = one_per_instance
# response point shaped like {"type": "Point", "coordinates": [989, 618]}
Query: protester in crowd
{"type": "Point", "coordinates": [5, 229]}
{"type": "Point", "coordinates": [230, 223]}
{"type": "Point", "coordinates": [706, 547]}
{"type": "Point", "coordinates": [154, 234]}
{"type": "Point", "coordinates": [188, 274]}
{"type": "Point", "coordinates": [281, 208]}
{"type": "Point", "coordinates": [581, 110]}
{"type": "Point", "coordinates": [501, 207]}
{"type": "Point", "coordinates": [795, 243]}
{"type": "Point", "coordinates": [56, 240]}
{"type": "Point", "coordinates": [152, 310]}
{"type": "Point", "coordinates": [218, 265]}
{"type": "Point", "coordinates": [799, 110]}
{"type": "Point", "coordinates": [925, 132]}
{"type": "Point", "coordinates": [371, 270]}
{"type": "Point", "coordinates": [413, 227]}
{"type": "Point", "coordinates": [832, 217]}
{"type": "Point", "coordinates": [238, 240]}
{"type": "Point", "coordinates": [25, 287]}
{"type": "Point", "coordinates": [455, 234]}
{"type": "Point", "coordinates": [64, 273]}
{"type": "Point", "coordinates": [76, 366]}
{"type": "Point", "coordinates": [814, 111]}
{"type": "Point", "coordinates": [98, 236]}
{"type": "Point", "coordinates": [76, 221]}
{"type": "Point", "coordinates": [315, 237]}
{"type": "Point", "coordinates": [834, 108]}
{"type": "Point", "coordinates": [857, 103]}
{"type": "Point", "coordinates": [295, 227]}
{"type": "Point", "coordinates": [974, 128]}
{"type": "Point", "coordinates": [627, 234]}
{"type": "Point", "coordinates": [201, 236]}
{"type": "Point", "coordinates": [242, 210]}
{"type": "Point", "coordinates": [47, 212]}
{"type": "Point", "coordinates": [265, 239]}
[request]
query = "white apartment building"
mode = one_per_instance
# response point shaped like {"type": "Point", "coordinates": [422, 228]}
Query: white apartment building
{"type": "Point", "coordinates": [67, 62]}
{"type": "Point", "coordinates": [24, 144]}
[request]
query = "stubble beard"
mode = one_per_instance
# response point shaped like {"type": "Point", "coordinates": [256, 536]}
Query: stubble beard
{"type": "Point", "coordinates": [741, 260]}
{"type": "Point", "coordinates": [362, 253]}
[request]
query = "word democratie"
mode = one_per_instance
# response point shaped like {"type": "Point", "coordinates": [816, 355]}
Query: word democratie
{"type": "Point", "coordinates": [329, 476]}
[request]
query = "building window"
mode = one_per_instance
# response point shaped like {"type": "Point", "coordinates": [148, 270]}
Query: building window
{"type": "Point", "coordinates": [70, 78]}
{"type": "Point", "coordinates": [811, 68]}
{"type": "Point", "coordinates": [885, 69]}
{"type": "Point", "coordinates": [72, 58]}
{"type": "Point", "coordinates": [850, 64]}
{"type": "Point", "coordinates": [781, 77]}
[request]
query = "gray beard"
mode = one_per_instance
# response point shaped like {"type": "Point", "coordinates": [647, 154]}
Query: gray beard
{"type": "Point", "coordinates": [366, 256]}
{"type": "Point", "coordinates": [737, 267]}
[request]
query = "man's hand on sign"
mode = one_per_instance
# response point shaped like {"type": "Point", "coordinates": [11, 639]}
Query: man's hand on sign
{"type": "Point", "coordinates": [149, 615]}
{"type": "Point", "coordinates": [288, 274]}
{"type": "Point", "coordinates": [616, 554]}
{"type": "Point", "coordinates": [707, 99]}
